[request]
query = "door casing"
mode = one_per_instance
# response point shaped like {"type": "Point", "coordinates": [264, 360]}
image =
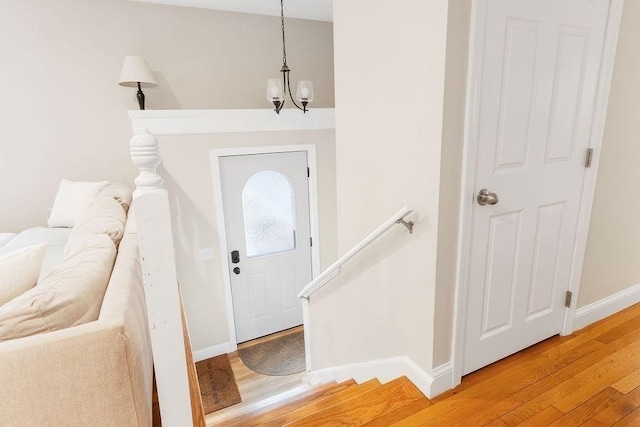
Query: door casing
{"type": "Point", "coordinates": [468, 187]}
{"type": "Point", "coordinates": [215, 154]}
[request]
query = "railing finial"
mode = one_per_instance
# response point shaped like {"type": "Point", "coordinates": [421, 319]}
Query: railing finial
{"type": "Point", "coordinates": [145, 154]}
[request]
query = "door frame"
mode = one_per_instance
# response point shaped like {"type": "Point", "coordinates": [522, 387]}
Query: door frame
{"type": "Point", "coordinates": [314, 223]}
{"type": "Point", "coordinates": [468, 185]}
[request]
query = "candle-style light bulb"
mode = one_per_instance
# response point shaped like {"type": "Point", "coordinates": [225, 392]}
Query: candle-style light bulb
{"type": "Point", "coordinates": [275, 92]}
{"type": "Point", "coordinates": [304, 93]}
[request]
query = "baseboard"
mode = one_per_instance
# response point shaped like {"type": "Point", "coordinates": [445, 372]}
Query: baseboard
{"type": "Point", "coordinates": [213, 351]}
{"type": "Point", "coordinates": [386, 370]}
{"type": "Point", "coordinates": [442, 379]}
{"type": "Point", "coordinates": [606, 307]}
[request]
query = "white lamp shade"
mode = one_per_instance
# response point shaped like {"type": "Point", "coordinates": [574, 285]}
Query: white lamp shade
{"type": "Point", "coordinates": [134, 71]}
{"type": "Point", "coordinates": [275, 91]}
{"type": "Point", "coordinates": [305, 91]}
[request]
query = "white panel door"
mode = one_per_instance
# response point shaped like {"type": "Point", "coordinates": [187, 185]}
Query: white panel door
{"type": "Point", "coordinates": [266, 211]}
{"type": "Point", "coordinates": [540, 69]}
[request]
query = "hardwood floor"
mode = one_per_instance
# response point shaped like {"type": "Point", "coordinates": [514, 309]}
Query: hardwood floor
{"type": "Point", "coordinates": [589, 378]}
{"type": "Point", "coordinates": [592, 377]}
{"type": "Point", "coordinates": [257, 390]}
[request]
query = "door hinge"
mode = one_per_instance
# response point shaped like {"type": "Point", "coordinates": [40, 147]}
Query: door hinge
{"type": "Point", "coordinates": [587, 163]}
{"type": "Point", "coordinates": [567, 299]}
{"type": "Point", "coordinates": [311, 241]}
{"type": "Point", "coordinates": [308, 173]}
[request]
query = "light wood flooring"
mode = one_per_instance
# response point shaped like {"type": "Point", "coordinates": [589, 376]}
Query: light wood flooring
{"type": "Point", "coordinates": [257, 390]}
{"type": "Point", "coordinates": [589, 378]}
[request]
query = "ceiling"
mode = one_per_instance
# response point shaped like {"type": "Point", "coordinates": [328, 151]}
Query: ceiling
{"type": "Point", "coordinates": [317, 10]}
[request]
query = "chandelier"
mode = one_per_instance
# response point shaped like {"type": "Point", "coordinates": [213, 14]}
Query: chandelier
{"type": "Point", "coordinates": [277, 89]}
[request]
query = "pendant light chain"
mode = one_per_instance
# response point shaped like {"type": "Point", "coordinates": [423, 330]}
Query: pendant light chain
{"type": "Point", "coordinates": [278, 91]}
{"type": "Point", "coordinates": [284, 44]}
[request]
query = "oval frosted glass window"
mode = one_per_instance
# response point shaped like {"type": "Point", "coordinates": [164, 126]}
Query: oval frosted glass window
{"type": "Point", "coordinates": [268, 214]}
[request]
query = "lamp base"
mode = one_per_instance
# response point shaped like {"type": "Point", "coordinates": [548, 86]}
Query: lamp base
{"type": "Point", "coordinates": [140, 96]}
{"type": "Point", "coordinates": [278, 105]}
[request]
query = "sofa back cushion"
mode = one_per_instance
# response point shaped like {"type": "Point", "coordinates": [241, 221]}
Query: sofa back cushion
{"type": "Point", "coordinates": [119, 192]}
{"type": "Point", "coordinates": [71, 294]}
{"type": "Point", "coordinates": [19, 271]}
{"type": "Point", "coordinates": [104, 216]}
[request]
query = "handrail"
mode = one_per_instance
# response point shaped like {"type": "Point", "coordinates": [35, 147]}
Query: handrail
{"type": "Point", "coordinates": [331, 272]}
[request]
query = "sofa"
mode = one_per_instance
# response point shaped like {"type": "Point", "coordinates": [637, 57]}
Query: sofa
{"type": "Point", "coordinates": [97, 370]}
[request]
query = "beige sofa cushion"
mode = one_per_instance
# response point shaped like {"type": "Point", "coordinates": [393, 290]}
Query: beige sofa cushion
{"type": "Point", "coordinates": [118, 191]}
{"type": "Point", "coordinates": [103, 216]}
{"type": "Point", "coordinates": [19, 270]}
{"type": "Point", "coordinates": [69, 295]}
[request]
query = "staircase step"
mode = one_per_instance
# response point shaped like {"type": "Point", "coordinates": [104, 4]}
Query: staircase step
{"type": "Point", "coordinates": [223, 417]}
{"type": "Point", "coordinates": [351, 392]}
{"type": "Point", "coordinates": [366, 407]}
{"type": "Point", "coordinates": [266, 413]}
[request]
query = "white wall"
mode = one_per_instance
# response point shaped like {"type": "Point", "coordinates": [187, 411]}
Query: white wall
{"type": "Point", "coordinates": [611, 260]}
{"type": "Point", "coordinates": [389, 67]}
{"type": "Point", "coordinates": [459, 19]}
{"type": "Point", "coordinates": [187, 173]}
{"type": "Point", "coordinates": [377, 120]}
{"type": "Point", "coordinates": [62, 113]}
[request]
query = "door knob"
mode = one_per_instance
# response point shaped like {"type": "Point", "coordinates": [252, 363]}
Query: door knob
{"type": "Point", "coordinates": [236, 270]}
{"type": "Point", "coordinates": [486, 198]}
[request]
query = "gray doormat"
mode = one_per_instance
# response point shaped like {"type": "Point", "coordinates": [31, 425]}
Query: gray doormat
{"type": "Point", "coordinates": [276, 357]}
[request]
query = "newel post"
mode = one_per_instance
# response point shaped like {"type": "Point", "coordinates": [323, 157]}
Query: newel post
{"type": "Point", "coordinates": [155, 240]}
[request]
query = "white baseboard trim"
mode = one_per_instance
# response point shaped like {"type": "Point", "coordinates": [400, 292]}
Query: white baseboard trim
{"type": "Point", "coordinates": [442, 379]}
{"type": "Point", "coordinates": [213, 351]}
{"type": "Point", "coordinates": [386, 370]}
{"type": "Point", "coordinates": [606, 307]}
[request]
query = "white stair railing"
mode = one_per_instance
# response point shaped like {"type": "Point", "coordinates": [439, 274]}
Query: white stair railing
{"type": "Point", "coordinates": [157, 259]}
{"type": "Point", "coordinates": [330, 273]}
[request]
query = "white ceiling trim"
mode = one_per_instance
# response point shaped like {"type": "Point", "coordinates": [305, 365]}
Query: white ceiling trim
{"type": "Point", "coordinates": [317, 10]}
{"type": "Point", "coordinates": [198, 122]}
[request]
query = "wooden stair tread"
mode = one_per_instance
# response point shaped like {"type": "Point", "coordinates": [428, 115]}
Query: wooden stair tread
{"type": "Point", "coordinates": [365, 407]}
{"type": "Point", "coordinates": [260, 415]}
{"type": "Point", "coordinates": [272, 402]}
{"type": "Point", "coordinates": [350, 392]}
{"type": "Point", "coordinates": [223, 416]}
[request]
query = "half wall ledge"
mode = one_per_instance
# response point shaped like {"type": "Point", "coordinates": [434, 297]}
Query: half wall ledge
{"type": "Point", "coordinates": [199, 122]}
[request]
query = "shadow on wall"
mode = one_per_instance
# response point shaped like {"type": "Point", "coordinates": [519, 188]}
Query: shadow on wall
{"type": "Point", "coordinates": [190, 229]}
{"type": "Point", "coordinates": [389, 243]}
{"type": "Point", "coordinates": [354, 320]}
{"type": "Point", "coordinates": [160, 97]}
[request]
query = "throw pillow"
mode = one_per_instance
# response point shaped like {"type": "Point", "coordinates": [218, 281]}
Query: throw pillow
{"type": "Point", "coordinates": [71, 200]}
{"type": "Point", "coordinates": [19, 271]}
{"type": "Point", "coordinates": [71, 294]}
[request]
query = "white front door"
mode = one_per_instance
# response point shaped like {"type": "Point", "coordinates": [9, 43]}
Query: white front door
{"type": "Point", "coordinates": [266, 211]}
{"type": "Point", "coordinates": [540, 68]}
